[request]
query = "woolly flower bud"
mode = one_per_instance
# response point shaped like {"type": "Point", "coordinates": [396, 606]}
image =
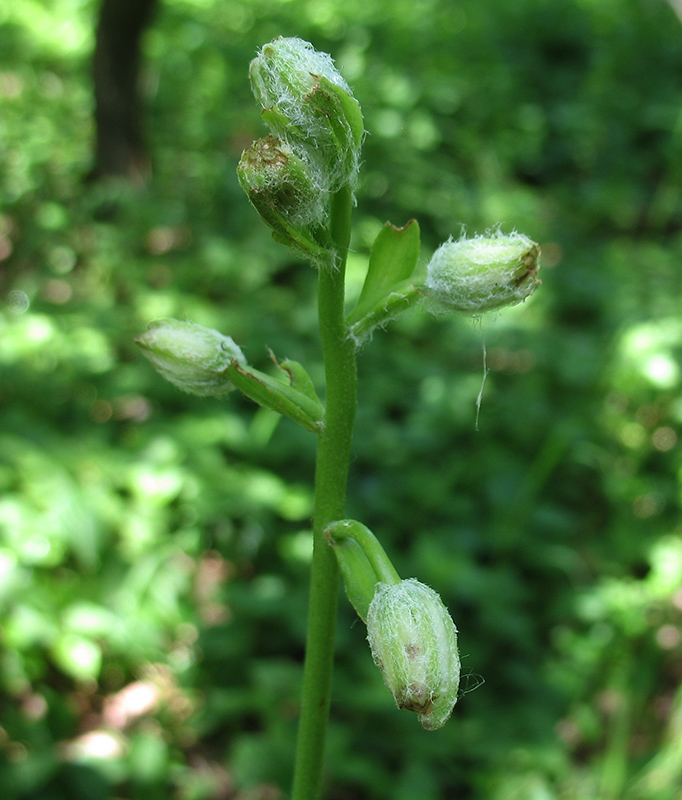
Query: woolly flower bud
{"type": "Point", "coordinates": [190, 356]}
{"type": "Point", "coordinates": [414, 643]}
{"type": "Point", "coordinates": [483, 273]}
{"type": "Point", "coordinates": [285, 70]}
{"type": "Point", "coordinates": [280, 185]}
{"type": "Point", "coordinates": [307, 103]}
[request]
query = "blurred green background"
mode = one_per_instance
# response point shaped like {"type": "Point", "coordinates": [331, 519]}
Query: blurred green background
{"type": "Point", "coordinates": [154, 547]}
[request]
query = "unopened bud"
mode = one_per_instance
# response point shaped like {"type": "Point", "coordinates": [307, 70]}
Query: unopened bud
{"type": "Point", "coordinates": [286, 193]}
{"type": "Point", "coordinates": [194, 358]}
{"type": "Point", "coordinates": [414, 644]}
{"type": "Point", "coordinates": [279, 183]}
{"type": "Point", "coordinates": [308, 104]}
{"type": "Point", "coordinates": [483, 273]}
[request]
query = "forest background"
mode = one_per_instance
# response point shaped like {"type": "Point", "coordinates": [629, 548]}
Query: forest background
{"type": "Point", "coordinates": [154, 546]}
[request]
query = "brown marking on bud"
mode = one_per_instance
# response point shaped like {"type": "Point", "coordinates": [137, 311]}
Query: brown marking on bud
{"type": "Point", "coordinates": [414, 651]}
{"type": "Point", "coordinates": [416, 697]}
{"type": "Point", "coordinates": [530, 262]}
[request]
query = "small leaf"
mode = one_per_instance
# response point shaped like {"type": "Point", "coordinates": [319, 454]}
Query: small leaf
{"type": "Point", "coordinates": [299, 379]}
{"type": "Point", "coordinates": [392, 260]}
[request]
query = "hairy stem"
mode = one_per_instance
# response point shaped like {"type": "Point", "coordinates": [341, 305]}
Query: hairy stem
{"type": "Point", "coordinates": [331, 473]}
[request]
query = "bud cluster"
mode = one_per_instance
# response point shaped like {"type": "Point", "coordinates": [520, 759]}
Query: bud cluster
{"type": "Point", "coordinates": [314, 148]}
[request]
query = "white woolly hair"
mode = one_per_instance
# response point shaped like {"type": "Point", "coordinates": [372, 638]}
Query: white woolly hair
{"type": "Point", "coordinates": [414, 643]}
{"type": "Point", "coordinates": [483, 273]}
{"type": "Point", "coordinates": [281, 74]}
{"type": "Point", "coordinates": [286, 65]}
{"type": "Point", "coordinates": [307, 202]}
{"type": "Point", "coordinates": [311, 205]}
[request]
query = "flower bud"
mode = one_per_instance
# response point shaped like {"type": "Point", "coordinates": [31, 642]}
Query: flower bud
{"type": "Point", "coordinates": [483, 273]}
{"type": "Point", "coordinates": [308, 104]}
{"type": "Point", "coordinates": [286, 193]}
{"type": "Point", "coordinates": [279, 183]}
{"type": "Point", "coordinates": [194, 358]}
{"type": "Point", "coordinates": [414, 643]}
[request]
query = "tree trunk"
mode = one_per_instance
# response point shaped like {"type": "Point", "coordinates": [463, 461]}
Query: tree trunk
{"type": "Point", "coordinates": [119, 145]}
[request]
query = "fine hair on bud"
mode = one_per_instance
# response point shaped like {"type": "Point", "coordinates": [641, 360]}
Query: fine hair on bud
{"type": "Point", "coordinates": [414, 643]}
{"type": "Point", "coordinates": [285, 69]}
{"type": "Point", "coordinates": [483, 273]}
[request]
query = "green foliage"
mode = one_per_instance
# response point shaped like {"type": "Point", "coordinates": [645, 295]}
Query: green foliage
{"type": "Point", "coordinates": [154, 546]}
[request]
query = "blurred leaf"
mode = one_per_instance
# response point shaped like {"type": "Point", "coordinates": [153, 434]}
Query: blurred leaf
{"type": "Point", "coordinates": [78, 656]}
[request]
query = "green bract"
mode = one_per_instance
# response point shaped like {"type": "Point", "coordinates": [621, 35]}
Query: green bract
{"type": "Point", "coordinates": [483, 273]}
{"type": "Point", "coordinates": [414, 644]}
{"type": "Point", "coordinates": [390, 285]}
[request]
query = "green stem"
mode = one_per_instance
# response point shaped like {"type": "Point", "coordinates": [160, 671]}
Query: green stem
{"type": "Point", "coordinates": [331, 473]}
